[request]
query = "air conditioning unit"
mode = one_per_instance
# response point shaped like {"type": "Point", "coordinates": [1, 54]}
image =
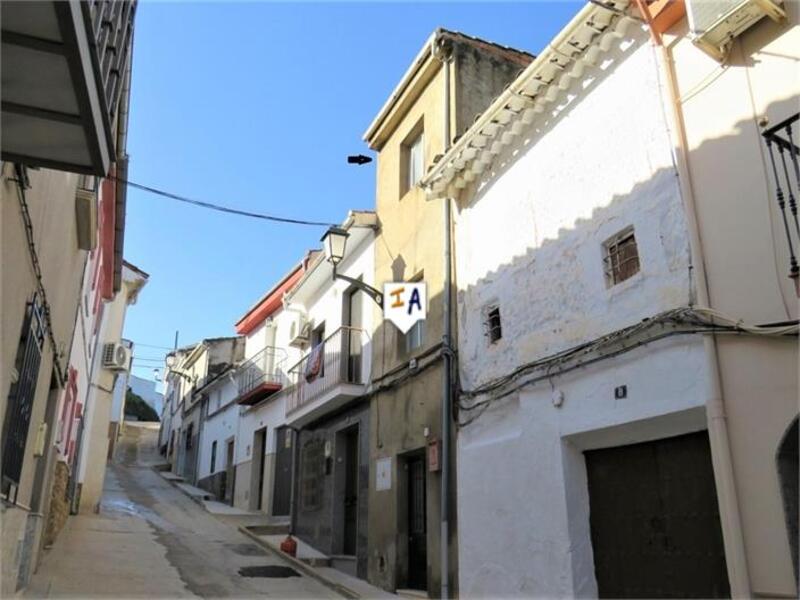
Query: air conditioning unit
{"type": "Point", "coordinates": [299, 332]}
{"type": "Point", "coordinates": [714, 24]}
{"type": "Point", "coordinates": [116, 357]}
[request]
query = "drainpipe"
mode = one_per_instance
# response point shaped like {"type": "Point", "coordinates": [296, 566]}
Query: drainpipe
{"type": "Point", "coordinates": [735, 555]}
{"type": "Point", "coordinates": [443, 55]}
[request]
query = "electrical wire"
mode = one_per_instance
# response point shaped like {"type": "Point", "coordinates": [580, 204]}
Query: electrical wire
{"type": "Point", "coordinates": [219, 207]}
{"type": "Point", "coordinates": [680, 321]}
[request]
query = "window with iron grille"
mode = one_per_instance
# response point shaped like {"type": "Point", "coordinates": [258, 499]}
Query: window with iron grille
{"type": "Point", "coordinates": [312, 474]}
{"type": "Point", "coordinates": [494, 330]}
{"type": "Point", "coordinates": [21, 395]}
{"type": "Point", "coordinates": [621, 257]}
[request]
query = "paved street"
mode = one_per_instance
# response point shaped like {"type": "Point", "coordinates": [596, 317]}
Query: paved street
{"type": "Point", "coordinates": [151, 540]}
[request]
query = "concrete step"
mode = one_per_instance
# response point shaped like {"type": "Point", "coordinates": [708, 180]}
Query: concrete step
{"type": "Point", "coordinates": [270, 529]}
{"type": "Point", "coordinates": [413, 594]}
{"type": "Point", "coordinates": [345, 564]}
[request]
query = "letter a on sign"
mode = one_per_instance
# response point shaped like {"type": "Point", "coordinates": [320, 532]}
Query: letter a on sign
{"type": "Point", "coordinates": [405, 303]}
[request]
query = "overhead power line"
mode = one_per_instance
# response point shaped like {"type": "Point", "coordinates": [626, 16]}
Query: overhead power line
{"type": "Point", "coordinates": [220, 208]}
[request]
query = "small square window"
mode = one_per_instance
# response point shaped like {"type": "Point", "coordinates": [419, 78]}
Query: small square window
{"type": "Point", "coordinates": [621, 257]}
{"type": "Point", "coordinates": [494, 329]}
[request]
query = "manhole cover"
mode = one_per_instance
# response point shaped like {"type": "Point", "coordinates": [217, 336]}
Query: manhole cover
{"type": "Point", "coordinates": [277, 571]}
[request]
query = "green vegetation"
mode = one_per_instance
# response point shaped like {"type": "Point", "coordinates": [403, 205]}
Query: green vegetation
{"type": "Point", "coordinates": [136, 407]}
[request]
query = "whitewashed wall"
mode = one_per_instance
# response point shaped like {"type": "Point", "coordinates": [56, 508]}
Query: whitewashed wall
{"type": "Point", "coordinates": [323, 301]}
{"type": "Point", "coordinates": [606, 164]}
{"type": "Point", "coordinates": [531, 241]}
{"type": "Point", "coordinates": [221, 425]}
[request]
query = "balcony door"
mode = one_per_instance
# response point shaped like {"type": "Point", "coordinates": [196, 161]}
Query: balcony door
{"type": "Point", "coordinates": [351, 341]}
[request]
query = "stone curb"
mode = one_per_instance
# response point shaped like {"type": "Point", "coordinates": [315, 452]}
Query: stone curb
{"type": "Point", "coordinates": [301, 566]}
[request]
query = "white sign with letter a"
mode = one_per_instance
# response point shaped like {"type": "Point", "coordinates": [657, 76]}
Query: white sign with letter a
{"type": "Point", "coordinates": [405, 303]}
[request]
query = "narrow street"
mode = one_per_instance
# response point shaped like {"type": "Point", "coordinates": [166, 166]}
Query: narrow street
{"type": "Point", "coordinates": [151, 540]}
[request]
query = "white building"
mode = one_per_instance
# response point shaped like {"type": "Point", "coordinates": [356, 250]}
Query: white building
{"type": "Point", "coordinates": [218, 436]}
{"type": "Point", "coordinates": [592, 455]}
{"type": "Point", "coordinates": [327, 406]}
{"type": "Point", "coordinates": [146, 389]}
{"type": "Point", "coordinates": [264, 451]}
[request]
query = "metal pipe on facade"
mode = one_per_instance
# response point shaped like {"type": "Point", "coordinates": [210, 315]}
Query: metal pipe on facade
{"type": "Point", "coordinates": [735, 555]}
{"type": "Point", "coordinates": [443, 55]}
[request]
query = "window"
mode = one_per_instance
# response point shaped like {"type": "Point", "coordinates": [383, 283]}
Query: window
{"type": "Point", "coordinates": [21, 395]}
{"type": "Point", "coordinates": [415, 336]}
{"type": "Point", "coordinates": [189, 434]}
{"type": "Point", "coordinates": [213, 456]}
{"type": "Point", "coordinates": [621, 257]}
{"type": "Point", "coordinates": [312, 473]}
{"type": "Point", "coordinates": [492, 323]}
{"type": "Point", "coordinates": [413, 159]}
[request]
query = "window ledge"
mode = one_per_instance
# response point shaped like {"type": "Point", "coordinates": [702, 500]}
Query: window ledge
{"type": "Point", "coordinates": [624, 286]}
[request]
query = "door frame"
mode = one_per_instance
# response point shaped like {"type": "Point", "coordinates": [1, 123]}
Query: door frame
{"type": "Point", "coordinates": [403, 489]}
{"type": "Point", "coordinates": [340, 484]}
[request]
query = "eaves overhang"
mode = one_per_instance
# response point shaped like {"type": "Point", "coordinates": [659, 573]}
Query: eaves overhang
{"type": "Point", "coordinates": [60, 81]}
{"type": "Point", "coordinates": [533, 95]}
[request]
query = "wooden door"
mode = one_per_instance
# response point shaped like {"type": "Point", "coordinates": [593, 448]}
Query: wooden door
{"type": "Point", "coordinates": [350, 492]}
{"type": "Point", "coordinates": [655, 521]}
{"type": "Point", "coordinates": [230, 473]}
{"type": "Point", "coordinates": [282, 495]}
{"type": "Point", "coordinates": [417, 525]}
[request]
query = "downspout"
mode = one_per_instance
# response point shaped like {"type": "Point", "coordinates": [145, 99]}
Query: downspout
{"type": "Point", "coordinates": [733, 540]}
{"type": "Point", "coordinates": [442, 53]}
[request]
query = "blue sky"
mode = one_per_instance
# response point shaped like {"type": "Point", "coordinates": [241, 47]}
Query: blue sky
{"type": "Point", "coordinates": [256, 106]}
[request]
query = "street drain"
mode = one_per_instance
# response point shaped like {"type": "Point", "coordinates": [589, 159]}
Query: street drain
{"type": "Point", "coordinates": [275, 571]}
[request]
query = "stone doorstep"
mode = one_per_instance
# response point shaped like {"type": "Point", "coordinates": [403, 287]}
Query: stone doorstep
{"type": "Point", "coordinates": [301, 565]}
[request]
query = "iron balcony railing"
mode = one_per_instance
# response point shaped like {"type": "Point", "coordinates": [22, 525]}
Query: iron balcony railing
{"type": "Point", "coordinates": [335, 361]}
{"type": "Point", "coordinates": [267, 366]}
{"type": "Point", "coordinates": [112, 26]}
{"type": "Point", "coordinates": [784, 156]}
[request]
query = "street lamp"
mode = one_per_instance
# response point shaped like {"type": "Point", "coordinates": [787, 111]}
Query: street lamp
{"type": "Point", "coordinates": [334, 242]}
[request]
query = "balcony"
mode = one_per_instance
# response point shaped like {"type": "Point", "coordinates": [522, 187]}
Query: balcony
{"type": "Point", "coordinates": [64, 65]}
{"type": "Point", "coordinates": [261, 376]}
{"type": "Point", "coordinates": [328, 377]}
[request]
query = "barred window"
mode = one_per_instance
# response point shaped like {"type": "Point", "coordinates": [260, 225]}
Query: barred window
{"type": "Point", "coordinates": [621, 257]}
{"type": "Point", "coordinates": [494, 330]}
{"type": "Point", "coordinates": [21, 396]}
{"type": "Point", "coordinates": [313, 471]}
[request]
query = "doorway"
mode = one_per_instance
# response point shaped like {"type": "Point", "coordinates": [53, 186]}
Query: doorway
{"type": "Point", "coordinates": [347, 459]}
{"type": "Point", "coordinates": [417, 524]}
{"type": "Point", "coordinates": [257, 478]}
{"type": "Point", "coordinates": [282, 494]}
{"type": "Point", "coordinates": [351, 344]}
{"type": "Point", "coordinates": [653, 515]}
{"type": "Point", "coordinates": [230, 473]}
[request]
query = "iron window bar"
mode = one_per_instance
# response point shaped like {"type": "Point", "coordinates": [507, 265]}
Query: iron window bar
{"type": "Point", "coordinates": [781, 137]}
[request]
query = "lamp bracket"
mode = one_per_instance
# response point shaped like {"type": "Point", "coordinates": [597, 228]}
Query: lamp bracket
{"type": "Point", "coordinates": [370, 291]}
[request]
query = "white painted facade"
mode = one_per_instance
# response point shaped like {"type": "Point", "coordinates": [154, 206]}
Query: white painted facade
{"type": "Point", "coordinates": [220, 424]}
{"type": "Point", "coordinates": [601, 166]}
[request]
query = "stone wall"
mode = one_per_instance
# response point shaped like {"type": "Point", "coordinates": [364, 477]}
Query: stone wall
{"type": "Point", "coordinates": [59, 504]}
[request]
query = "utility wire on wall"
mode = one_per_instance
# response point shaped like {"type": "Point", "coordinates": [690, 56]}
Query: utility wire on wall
{"type": "Point", "coordinates": [679, 321]}
{"type": "Point", "coordinates": [219, 207]}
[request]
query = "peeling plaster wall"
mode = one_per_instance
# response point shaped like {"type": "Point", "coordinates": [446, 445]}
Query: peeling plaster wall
{"type": "Point", "coordinates": [600, 168]}
{"type": "Point", "coordinates": [602, 165]}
